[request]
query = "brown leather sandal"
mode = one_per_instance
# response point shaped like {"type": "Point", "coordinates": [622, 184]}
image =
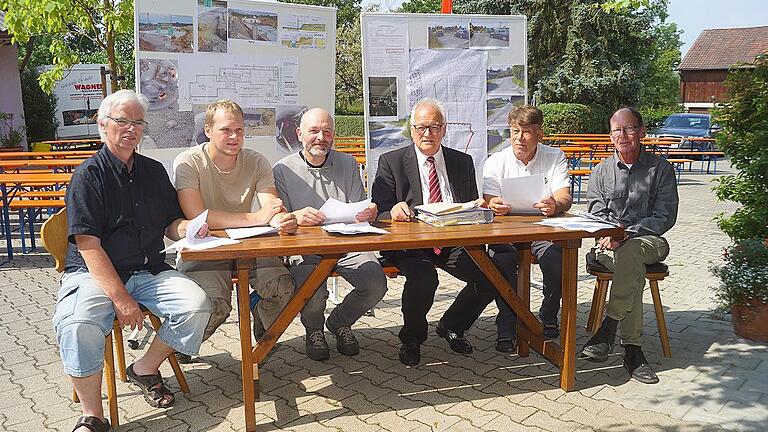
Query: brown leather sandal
{"type": "Point", "coordinates": [92, 423]}
{"type": "Point", "coordinates": [155, 392]}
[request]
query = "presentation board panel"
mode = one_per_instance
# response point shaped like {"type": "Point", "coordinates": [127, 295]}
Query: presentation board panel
{"type": "Point", "coordinates": [475, 65]}
{"type": "Point", "coordinates": [275, 60]}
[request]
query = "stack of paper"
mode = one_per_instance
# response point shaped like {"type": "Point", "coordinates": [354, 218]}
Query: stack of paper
{"type": "Point", "coordinates": [445, 214]}
{"type": "Point", "coordinates": [582, 221]}
{"type": "Point", "coordinates": [194, 243]}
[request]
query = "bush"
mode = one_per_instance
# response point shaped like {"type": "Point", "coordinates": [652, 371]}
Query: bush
{"type": "Point", "coordinates": [350, 125]}
{"type": "Point", "coordinates": [574, 118]}
{"type": "Point", "coordinates": [744, 139]}
{"type": "Point", "coordinates": [39, 109]}
{"type": "Point", "coordinates": [743, 274]}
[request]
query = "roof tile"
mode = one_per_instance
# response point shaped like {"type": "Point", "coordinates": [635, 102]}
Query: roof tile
{"type": "Point", "coordinates": [721, 48]}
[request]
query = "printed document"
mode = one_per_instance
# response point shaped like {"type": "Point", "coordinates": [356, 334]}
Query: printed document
{"type": "Point", "coordinates": [354, 228]}
{"type": "Point", "coordinates": [336, 211]}
{"type": "Point", "coordinates": [241, 233]}
{"type": "Point", "coordinates": [521, 193]}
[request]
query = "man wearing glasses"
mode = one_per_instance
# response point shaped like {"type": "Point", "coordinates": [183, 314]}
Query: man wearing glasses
{"type": "Point", "coordinates": [305, 180]}
{"type": "Point", "coordinates": [237, 187]}
{"type": "Point", "coordinates": [428, 172]}
{"type": "Point", "coordinates": [526, 156]}
{"type": "Point", "coordinates": [636, 189]}
{"type": "Point", "coordinates": [120, 204]}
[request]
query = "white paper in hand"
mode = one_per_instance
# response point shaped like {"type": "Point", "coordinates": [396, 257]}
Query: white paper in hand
{"type": "Point", "coordinates": [194, 243]}
{"type": "Point", "coordinates": [336, 211]}
{"type": "Point", "coordinates": [521, 193]}
{"type": "Point", "coordinates": [241, 233]}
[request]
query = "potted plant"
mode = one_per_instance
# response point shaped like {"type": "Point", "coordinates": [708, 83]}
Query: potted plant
{"type": "Point", "coordinates": [744, 139]}
{"type": "Point", "coordinates": [10, 137]}
{"type": "Point", "coordinates": [744, 287]}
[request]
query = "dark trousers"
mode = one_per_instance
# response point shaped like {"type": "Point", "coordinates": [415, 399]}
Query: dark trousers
{"type": "Point", "coordinates": [418, 267]}
{"type": "Point", "coordinates": [549, 256]}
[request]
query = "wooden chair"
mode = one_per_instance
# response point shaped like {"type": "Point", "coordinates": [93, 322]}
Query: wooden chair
{"type": "Point", "coordinates": [653, 272]}
{"type": "Point", "coordinates": [53, 235]}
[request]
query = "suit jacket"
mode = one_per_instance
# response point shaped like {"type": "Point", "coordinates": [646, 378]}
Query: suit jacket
{"type": "Point", "coordinates": [397, 178]}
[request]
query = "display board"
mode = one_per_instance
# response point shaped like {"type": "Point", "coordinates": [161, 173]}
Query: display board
{"type": "Point", "coordinates": [475, 65]}
{"type": "Point", "coordinates": [274, 59]}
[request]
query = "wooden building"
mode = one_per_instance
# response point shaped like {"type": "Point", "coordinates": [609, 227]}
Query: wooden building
{"type": "Point", "coordinates": [705, 66]}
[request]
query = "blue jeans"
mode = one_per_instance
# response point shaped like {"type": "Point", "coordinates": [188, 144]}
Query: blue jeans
{"type": "Point", "coordinates": [84, 315]}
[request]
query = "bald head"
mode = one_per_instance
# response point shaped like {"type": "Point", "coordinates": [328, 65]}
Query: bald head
{"type": "Point", "coordinates": [314, 115]}
{"type": "Point", "coordinates": [316, 133]}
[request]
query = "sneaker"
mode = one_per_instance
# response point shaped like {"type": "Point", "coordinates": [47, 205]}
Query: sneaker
{"type": "Point", "coordinates": [317, 347]}
{"type": "Point", "coordinates": [346, 343]}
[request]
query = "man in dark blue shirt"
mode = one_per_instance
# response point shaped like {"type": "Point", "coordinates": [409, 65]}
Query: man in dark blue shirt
{"type": "Point", "coordinates": [119, 206]}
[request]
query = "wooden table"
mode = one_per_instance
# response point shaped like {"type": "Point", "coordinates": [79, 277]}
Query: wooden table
{"type": "Point", "coordinates": [47, 154]}
{"type": "Point", "coordinates": [21, 180]}
{"type": "Point", "coordinates": [313, 240]}
{"type": "Point", "coordinates": [17, 164]}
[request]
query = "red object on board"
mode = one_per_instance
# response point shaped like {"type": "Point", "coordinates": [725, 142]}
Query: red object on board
{"type": "Point", "coordinates": [447, 7]}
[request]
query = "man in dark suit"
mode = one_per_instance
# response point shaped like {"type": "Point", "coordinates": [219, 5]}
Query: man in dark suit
{"type": "Point", "coordinates": [413, 175]}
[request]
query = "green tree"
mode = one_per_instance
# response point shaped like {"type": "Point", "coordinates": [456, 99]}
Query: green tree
{"type": "Point", "coordinates": [39, 108]}
{"type": "Point", "coordinates": [744, 139]}
{"type": "Point", "coordinates": [594, 53]}
{"type": "Point", "coordinates": [421, 6]}
{"type": "Point", "coordinates": [661, 86]}
{"type": "Point", "coordinates": [349, 70]}
{"type": "Point", "coordinates": [99, 21]}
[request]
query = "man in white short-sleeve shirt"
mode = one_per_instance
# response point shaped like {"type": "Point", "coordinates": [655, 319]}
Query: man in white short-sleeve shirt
{"type": "Point", "coordinates": [526, 156]}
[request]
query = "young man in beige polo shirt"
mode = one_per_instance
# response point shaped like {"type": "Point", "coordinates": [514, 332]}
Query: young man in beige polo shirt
{"type": "Point", "coordinates": [237, 187]}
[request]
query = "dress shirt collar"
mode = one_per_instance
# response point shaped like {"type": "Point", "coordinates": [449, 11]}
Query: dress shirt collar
{"type": "Point", "coordinates": [439, 159]}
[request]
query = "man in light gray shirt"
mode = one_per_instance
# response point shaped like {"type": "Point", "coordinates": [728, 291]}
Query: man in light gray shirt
{"type": "Point", "coordinates": [305, 181]}
{"type": "Point", "coordinates": [637, 190]}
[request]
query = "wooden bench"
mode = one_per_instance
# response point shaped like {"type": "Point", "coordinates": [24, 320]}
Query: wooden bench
{"type": "Point", "coordinates": [29, 209]}
{"type": "Point", "coordinates": [576, 177]}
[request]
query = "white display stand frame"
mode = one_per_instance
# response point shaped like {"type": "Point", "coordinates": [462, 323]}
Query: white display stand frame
{"type": "Point", "coordinates": [383, 36]}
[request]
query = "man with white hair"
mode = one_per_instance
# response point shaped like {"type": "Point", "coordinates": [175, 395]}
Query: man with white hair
{"type": "Point", "coordinates": [305, 180]}
{"type": "Point", "coordinates": [119, 206]}
{"type": "Point", "coordinates": [429, 172]}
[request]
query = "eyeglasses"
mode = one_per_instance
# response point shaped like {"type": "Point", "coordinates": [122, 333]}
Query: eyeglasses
{"type": "Point", "coordinates": [421, 129]}
{"type": "Point", "coordinates": [629, 130]}
{"type": "Point", "coordinates": [124, 122]}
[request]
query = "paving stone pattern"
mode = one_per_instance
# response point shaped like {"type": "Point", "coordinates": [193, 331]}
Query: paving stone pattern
{"type": "Point", "coordinates": [715, 380]}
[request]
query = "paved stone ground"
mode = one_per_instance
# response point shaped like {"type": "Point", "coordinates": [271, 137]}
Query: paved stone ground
{"type": "Point", "coordinates": [715, 381]}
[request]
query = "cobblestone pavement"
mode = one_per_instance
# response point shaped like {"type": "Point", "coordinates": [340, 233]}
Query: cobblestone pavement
{"type": "Point", "coordinates": [715, 380]}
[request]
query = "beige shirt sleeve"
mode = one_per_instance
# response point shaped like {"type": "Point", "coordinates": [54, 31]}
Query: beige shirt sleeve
{"type": "Point", "coordinates": [264, 177]}
{"type": "Point", "coordinates": [186, 175]}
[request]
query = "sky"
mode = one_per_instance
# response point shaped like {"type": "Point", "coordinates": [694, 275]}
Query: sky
{"type": "Point", "coordinates": [691, 16]}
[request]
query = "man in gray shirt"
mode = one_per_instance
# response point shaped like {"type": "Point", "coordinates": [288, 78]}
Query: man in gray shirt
{"type": "Point", "coordinates": [636, 189]}
{"type": "Point", "coordinates": [305, 181]}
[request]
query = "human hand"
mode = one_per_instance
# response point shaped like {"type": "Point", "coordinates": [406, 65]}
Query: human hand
{"type": "Point", "coordinates": [547, 206]}
{"type": "Point", "coordinates": [369, 214]}
{"type": "Point", "coordinates": [401, 212]}
{"type": "Point", "coordinates": [608, 243]}
{"type": "Point", "coordinates": [286, 223]}
{"type": "Point", "coordinates": [309, 216]}
{"type": "Point", "coordinates": [496, 204]}
{"type": "Point", "coordinates": [128, 312]}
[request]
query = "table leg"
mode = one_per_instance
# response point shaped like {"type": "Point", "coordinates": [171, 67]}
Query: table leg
{"type": "Point", "coordinates": [523, 287]}
{"type": "Point", "coordinates": [568, 325]}
{"type": "Point", "coordinates": [6, 222]}
{"type": "Point", "coordinates": [250, 369]}
{"type": "Point", "coordinates": [294, 306]}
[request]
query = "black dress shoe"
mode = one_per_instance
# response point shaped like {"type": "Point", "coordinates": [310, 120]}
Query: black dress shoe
{"type": "Point", "coordinates": [183, 358]}
{"type": "Point", "coordinates": [638, 368]}
{"type": "Point", "coordinates": [410, 354]}
{"type": "Point", "coordinates": [458, 343]}
{"type": "Point", "coordinates": [599, 346]}
{"type": "Point", "coordinates": [506, 345]}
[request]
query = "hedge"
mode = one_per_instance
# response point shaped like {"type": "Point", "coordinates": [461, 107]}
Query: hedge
{"type": "Point", "coordinates": [574, 118]}
{"type": "Point", "coordinates": [350, 125]}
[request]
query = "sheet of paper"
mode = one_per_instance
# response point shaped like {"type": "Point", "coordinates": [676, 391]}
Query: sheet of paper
{"type": "Point", "coordinates": [336, 211]}
{"type": "Point", "coordinates": [354, 228]}
{"type": "Point", "coordinates": [194, 226]}
{"type": "Point", "coordinates": [200, 244]}
{"type": "Point", "coordinates": [241, 233]}
{"type": "Point", "coordinates": [520, 193]}
{"type": "Point", "coordinates": [575, 224]}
